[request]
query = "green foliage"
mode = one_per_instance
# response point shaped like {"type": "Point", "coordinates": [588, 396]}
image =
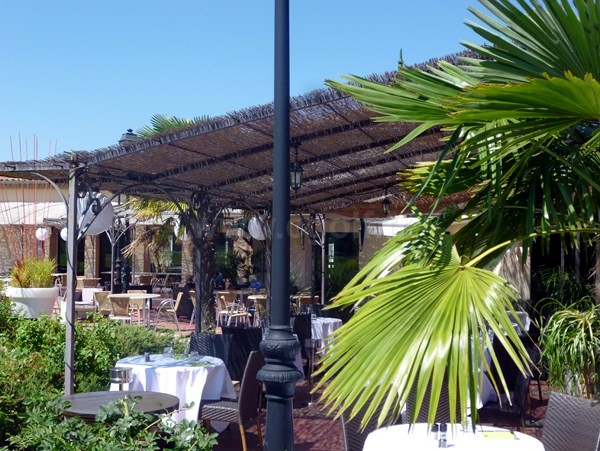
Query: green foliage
{"type": "Point", "coordinates": [570, 343]}
{"type": "Point", "coordinates": [32, 272]}
{"type": "Point", "coordinates": [523, 133]}
{"type": "Point", "coordinates": [32, 356]}
{"type": "Point", "coordinates": [339, 274]}
{"type": "Point", "coordinates": [564, 287]}
{"type": "Point", "coordinates": [117, 426]}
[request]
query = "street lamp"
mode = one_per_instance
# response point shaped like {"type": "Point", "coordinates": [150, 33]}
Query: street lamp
{"type": "Point", "coordinates": [295, 169]}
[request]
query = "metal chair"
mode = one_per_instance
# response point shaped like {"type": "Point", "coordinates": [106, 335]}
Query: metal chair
{"type": "Point", "coordinates": [571, 424]}
{"type": "Point", "coordinates": [138, 305]}
{"type": "Point", "coordinates": [193, 299]}
{"type": "Point", "coordinates": [170, 307]}
{"type": "Point", "coordinates": [224, 302]}
{"type": "Point", "coordinates": [241, 410]}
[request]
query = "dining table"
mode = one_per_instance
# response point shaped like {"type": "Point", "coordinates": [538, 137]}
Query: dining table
{"type": "Point", "coordinates": [421, 436]}
{"type": "Point", "coordinates": [321, 329]}
{"type": "Point", "coordinates": [86, 405]}
{"type": "Point", "coordinates": [191, 379]}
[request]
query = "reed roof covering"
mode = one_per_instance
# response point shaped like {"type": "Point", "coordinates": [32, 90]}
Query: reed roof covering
{"type": "Point", "coordinates": [342, 152]}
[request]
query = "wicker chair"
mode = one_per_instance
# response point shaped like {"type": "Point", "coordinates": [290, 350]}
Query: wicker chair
{"type": "Point", "coordinates": [243, 342]}
{"type": "Point", "coordinates": [355, 435]}
{"type": "Point", "coordinates": [102, 302]}
{"type": "Point", "coordinates": [120, 309]}
{"type": "Point", "coordinates": [214, 345]}
{"type": "Point", "coordinates": [301, 326]}
{"type": "Point", "coordinates": [245, 408]}
{"type": "Point", "coordinates": [505, 413]}
{"type": "Point", "coordinates": [442, 414]}
{"type": "Point", "coordinates": [571, 424]}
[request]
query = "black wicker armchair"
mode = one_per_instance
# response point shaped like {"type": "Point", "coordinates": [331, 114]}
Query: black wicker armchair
{"type": "Point", "coordinates": [571, 424]}
{"type": "Point", "coordinates": [245, 408]}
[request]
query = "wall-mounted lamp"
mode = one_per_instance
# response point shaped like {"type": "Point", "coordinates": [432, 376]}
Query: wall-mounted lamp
{"type": "Point", "coordinates": [386, 203]}
{"type": "Point", "coordinates": [295, 169]}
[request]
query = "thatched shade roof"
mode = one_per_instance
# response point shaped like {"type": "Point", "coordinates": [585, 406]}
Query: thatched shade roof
{"type": "Point", "coordinates": [342, 152]}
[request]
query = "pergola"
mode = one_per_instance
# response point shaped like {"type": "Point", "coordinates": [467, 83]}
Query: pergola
{"type": "Point", "coordinates": [342, 151]}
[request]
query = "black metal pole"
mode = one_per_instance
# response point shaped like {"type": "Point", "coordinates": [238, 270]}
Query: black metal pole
{"type": "Point", "coordinates": [280, 346]}
{"type": "Point", "coordinates": [73, 232]}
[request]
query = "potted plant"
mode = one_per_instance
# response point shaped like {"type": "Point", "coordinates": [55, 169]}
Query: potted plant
{"type": "Point", "coordinates": [32, 291]}
{"type": "Point", "coordinates": [570, 343]}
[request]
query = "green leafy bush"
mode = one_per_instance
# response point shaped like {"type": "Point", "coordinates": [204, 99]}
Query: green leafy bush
{"type": "Point", "coordinates": [32, 356]}
{"type": "Point", "coordinates": [117, 426]}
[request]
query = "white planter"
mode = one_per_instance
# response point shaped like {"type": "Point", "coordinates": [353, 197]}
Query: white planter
{"type": "Point", "coordinates": [31, 302]}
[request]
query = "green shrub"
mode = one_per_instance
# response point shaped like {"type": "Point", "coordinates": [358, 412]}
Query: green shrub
{"type": "Point", "coordinates": [117, 426]}
{"type": "Point", "coordinates": [32, 356]}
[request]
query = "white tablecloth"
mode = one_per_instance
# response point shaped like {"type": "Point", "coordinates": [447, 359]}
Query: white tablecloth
{"type": "Point", "coordinates": [180, 377]}
{"type": "Point", "coordinates": [323, 327]}
{"type": "Point", "coordinates": [87, 294]}
{"type": "Point", "coordinates": [419, 438]}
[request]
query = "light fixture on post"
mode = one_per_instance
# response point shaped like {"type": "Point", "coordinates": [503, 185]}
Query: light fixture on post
{"type": "Point", "coordinates": [386, 203]}
{"type": "Point", "coordinates": [295, 169]}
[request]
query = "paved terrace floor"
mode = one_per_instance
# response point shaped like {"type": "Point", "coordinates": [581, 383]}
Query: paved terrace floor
{"type": "Point", "coordinates": [314, 429]}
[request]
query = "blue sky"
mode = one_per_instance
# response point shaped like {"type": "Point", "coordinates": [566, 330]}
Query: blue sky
{"type": "Point", "coordinates": [77, 74]}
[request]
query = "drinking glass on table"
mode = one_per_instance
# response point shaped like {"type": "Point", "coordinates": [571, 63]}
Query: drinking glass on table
{"type": "Point", "coordinates": [168, 351]}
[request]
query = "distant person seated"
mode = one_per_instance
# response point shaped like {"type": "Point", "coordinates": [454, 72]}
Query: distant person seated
{"type": "Point", "coordinates": [254, 283]}
{"type": "Point", "coordinates": [219, 281]}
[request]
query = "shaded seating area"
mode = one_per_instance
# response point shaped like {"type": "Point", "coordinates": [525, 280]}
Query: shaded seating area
{"type": "Point", "coordinates": [244, 409]}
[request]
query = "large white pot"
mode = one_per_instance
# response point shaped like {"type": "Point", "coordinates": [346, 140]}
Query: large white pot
{"type": "Point", "coordinates": [31, 302]}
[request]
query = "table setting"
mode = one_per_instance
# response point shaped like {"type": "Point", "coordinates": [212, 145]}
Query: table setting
{"type": "Point", "coordinates": [190, 377]}
{"type": "Point", "coordinates": [421, 436]}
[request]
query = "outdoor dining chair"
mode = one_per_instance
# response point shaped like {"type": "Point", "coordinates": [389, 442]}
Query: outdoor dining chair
{"type": "Point", "coordinates": [505, 412]}
{"type": "Point", "coordinates": [214, 345]}
{"type": "Point", "coordinates": [355, 433]}
{"type": "Point", "coordinates": [245, 408]}
{"type": "Point", "coordinates": [442, 414]}
{"type": "Point", "coordinates": [102, 302]}
{"type": "Point", "coordinates": [120, 309]}
{"type": "Point", "coordinates": [571, 424]}
{"type": "Point", "coordinates": [137, 304]}
{"type": "Point", "coordinates": [169, 307]}
{"type": "Point", "coordinates": [244, 340]}
{"type": "Point", "coordinates": [193, 299]}
{"type": "Point", "coordinates": [225, 303]}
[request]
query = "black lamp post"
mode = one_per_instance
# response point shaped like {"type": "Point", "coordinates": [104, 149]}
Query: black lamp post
{"type": "Point", "coordinates": [295, 169]}
{"type": "Point", "coordinates": [280, 346]}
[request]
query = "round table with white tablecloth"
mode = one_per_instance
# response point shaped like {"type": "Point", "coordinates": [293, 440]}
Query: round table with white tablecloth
{"type": "Point", "coordinates": [419, 437]}
{"type": "Point", "coordinates": [177, 375]}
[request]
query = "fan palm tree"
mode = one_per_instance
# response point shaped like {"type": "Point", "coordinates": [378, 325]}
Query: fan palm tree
{"type": "Point", "coordinates": [168, 213]}
{"type": "Point", "coordinates": [522, 118]}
